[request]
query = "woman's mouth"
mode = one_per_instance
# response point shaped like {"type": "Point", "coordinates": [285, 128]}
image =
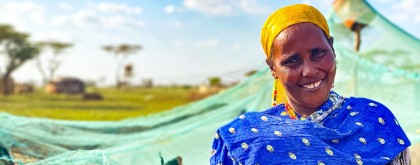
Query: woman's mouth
{"type": "Point", "coordinates": [312, 85]}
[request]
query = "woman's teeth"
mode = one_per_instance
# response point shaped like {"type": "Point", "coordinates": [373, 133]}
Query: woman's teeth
{"type": "Point", "coordinates": [313, 85]}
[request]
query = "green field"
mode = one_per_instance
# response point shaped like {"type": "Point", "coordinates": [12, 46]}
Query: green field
{"type": "Point", "coordinates": [116, 104]}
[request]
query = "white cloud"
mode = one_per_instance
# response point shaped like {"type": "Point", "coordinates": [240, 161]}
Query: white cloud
{"type": "Point", "coordinates": [83, 18]}
{"type": "Point", "coordinates": [60, 20]}
{"type": "Point", "coordinates": [251, 7]}
{"type": "Point", "coordinates": [214, 7]}
{"type": "Point", "coordinates": [64, 6]}
{"type": "Point", "coordinates": [22, 12]}
{"type": "Point", "coordinates": [107, 15]}
{"type": "Point", "coordinates": [24, 6]}
{"type": "Point", "coordinates": [37, 17]}
{"type": "Point", "coordinates": [225, 7]}
{"type": "Point", "coordinates": [236, 47]}
{"type": "Point", "coordinates": [323, 6]}
{"type": "Point", "coordinates": [177, 43]}
{"type": "Point", "coordinates": [63, 36]}
{"type": "Point", "coordinates": [406, 11]}
{"type": "Point", "coordinates": [118, 8]}
{"type": "Point", "coordinates": [119, 22]}
{"type": "Point", "coordinates": [306, 2]}
{"type": "Point", "coordinates": [207, 43]}
{"type": "Point", "coordinates": [169, 9]}
{"type": "Point", "coordinates": [175, 24]}
{"type": "Point", "coordinates": [86, 18]}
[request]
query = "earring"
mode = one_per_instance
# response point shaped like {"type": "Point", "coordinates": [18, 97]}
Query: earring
{"type": "Point", "coordinates": [274, 98]}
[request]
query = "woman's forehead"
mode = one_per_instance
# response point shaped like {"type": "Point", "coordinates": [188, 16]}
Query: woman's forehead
{"type": "Point", "coordinates": [300, 30]}
{"type": "Point", "coordinates": [300, 35]}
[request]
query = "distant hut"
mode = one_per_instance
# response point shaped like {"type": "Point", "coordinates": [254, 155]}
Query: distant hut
{"type": "Point", "coordinates": [24, 88]}
{"type": "Point", "coordinates": [66, 85]}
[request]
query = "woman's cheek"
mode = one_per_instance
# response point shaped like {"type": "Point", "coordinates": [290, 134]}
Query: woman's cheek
{"type": "Point", "coordinates": [329, 63]}
{"type": "Point", "coordinates": [289, 77]}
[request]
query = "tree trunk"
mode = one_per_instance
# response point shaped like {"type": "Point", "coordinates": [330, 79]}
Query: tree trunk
{"type": "Point", "coordinates": [42, 71]}
{"type": "Point", "coordinates": [6, 84]}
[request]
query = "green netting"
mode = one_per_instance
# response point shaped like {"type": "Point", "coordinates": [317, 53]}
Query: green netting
{"type": "Point", "coordinates": [384, 70]}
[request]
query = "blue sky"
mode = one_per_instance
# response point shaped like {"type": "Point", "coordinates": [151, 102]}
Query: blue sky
{"type": "Point", "coordinates": [185, 41]}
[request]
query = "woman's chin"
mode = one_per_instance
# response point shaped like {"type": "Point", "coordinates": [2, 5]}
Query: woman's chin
{"type": "Point", "coordinates": [315, 98]}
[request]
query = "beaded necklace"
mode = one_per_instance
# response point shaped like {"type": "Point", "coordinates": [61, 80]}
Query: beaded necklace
{"type": "Point", "coordinates": [290, 112]}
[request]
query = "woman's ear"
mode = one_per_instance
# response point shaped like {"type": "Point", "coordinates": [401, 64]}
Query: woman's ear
{"type": "Point", "coordinates": [271, 65]}
{"type": "Point", "coordinates": [273, 73]}
{"type": "Point", "coordinates": [331, 42]}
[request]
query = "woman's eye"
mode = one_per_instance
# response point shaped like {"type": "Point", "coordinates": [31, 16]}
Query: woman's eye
{"type": "Point", "coordinates": [291, 62]}
{"type": "Point", "coordinates": [318, 52]}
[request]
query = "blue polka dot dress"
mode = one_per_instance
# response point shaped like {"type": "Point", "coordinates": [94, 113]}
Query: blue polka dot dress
{"type": "Point", "coordinates": [343, 131]}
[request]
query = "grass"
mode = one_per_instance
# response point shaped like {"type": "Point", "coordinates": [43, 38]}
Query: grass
{"type": "Point", "coordinates": [117, 104]}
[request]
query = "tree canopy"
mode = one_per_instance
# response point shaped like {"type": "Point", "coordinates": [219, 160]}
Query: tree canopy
{"type": "Point", "coordinates": [121, 51]}
{"type": "Point", "coordinates": [17, 49]}
{"type": "Point", "coordinates": [53, 63]}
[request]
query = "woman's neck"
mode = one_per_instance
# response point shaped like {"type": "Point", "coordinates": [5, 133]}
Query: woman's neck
{"type": "Point", "coordinates": [302, 111]}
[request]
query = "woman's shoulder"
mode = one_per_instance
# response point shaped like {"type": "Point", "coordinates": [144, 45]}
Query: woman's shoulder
{"type": "Point", "coordinates": [241, 121]}
{"type": "Point", "coordinates": [250, 122]}
{"type": "Point", "coordinates": [365, 109]}
{"type": "Point", "coordinates": [366, 104]}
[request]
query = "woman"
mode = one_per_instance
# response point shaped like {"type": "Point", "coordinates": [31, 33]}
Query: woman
{"type": "Point", "coordinates": [312, 125]}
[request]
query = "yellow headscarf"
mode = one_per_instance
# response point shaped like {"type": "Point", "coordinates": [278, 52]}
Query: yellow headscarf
{"type": "Point", "coordinates": [280, 20]}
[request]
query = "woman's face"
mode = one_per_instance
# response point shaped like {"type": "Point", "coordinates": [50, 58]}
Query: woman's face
{"type": "Point", "coordinates": [304, 62]}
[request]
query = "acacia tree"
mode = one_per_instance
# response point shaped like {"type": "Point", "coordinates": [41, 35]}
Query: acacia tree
{"type": "Point", "coordinates": [121, 52]}
{"type": "Point", "coordinates": [17, 50]}
{"type": "Point", "coordinates": [53, 62]}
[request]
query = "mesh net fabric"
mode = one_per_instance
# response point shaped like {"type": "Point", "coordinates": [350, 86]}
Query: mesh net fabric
{"type": "Point", "coordinates": [385, 69]}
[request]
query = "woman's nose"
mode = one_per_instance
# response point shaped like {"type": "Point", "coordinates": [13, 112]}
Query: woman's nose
{"type": "Point", "coordinates": [309, 69]}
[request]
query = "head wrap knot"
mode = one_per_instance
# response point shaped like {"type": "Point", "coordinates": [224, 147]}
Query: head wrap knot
{"type": "Point", "coordinates": [288, 16]}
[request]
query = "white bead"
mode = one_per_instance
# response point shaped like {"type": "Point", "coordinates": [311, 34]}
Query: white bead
{"type": "Point", "coordinates": [244, 146]}
{"type": "Point", "coordinates": [232, 130]}
{"type": "Point", "coordinates": [357, 156]}
{"type": "Point", "coordinates": [354, 113]}
{"type": "Point", "coordinates": [292, 155]}
{"type": "Point", "coordinates": [401, 141]}
{"type": "Point", "coordinates": [216, 136]}
{"type": "Point", "coordinates": [321, 163]}
{"type": "Point", "coordinates": [306, 141]}
{"type": "Point", "coordinates": [380, 120]}
{"type": "Point", "coordinates": [270, 148]}
{"type": "Point", "coordinates": [382, 141]}
{"type": "Point", "coordinates": [329, 151]}
{"type": "Point", "coordinates": [363, 140]}
{"type": "Point", "coordinates": [264, 118]}
{"type": "Point", "coordinates": [254, 130]}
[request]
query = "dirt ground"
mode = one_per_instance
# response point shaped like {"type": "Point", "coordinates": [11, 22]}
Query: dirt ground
{"type": "Point", "coordinates": [415, 154]}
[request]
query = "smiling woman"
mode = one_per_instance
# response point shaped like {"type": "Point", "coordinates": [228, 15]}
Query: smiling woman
{"type": "Point", "coordinates": [307, 70]}
{"type": "Point", "coordinates": [309, 123]}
